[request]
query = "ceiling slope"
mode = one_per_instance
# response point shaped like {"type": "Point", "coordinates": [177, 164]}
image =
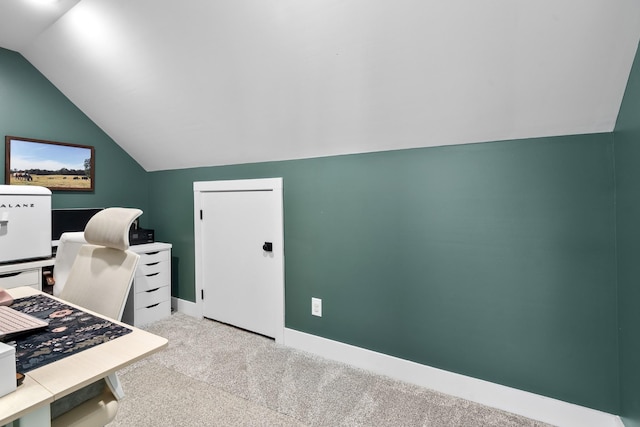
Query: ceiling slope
{"type": "Point", "coordinates": [211, 82]}
{"type": "Point", "coordinates": [21, 21]}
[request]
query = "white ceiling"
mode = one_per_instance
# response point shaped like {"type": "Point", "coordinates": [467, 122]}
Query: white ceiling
{"type": "Point", "coordinates": [212, 82]}
{"type": "Point", "coordinates": [21, 21]}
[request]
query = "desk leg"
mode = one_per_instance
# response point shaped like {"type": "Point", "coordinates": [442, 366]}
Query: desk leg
{"type": "Point", "coordinates": [38, 418]}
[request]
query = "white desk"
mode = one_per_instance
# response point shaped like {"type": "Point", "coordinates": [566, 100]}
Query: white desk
{"type": "Point", "coordinates": [57, 379]}
{"type": "Point", "coordinates": [26, 273]}
{"type": "Point", "coordinates": [30, 402]}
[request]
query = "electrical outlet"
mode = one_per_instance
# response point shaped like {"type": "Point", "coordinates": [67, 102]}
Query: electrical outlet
{"type": "Point", "coordinates": [316, 307]}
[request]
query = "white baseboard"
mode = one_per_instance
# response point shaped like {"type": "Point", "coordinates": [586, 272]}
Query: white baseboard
{"type": "Point", "coordinates": [530, 405]}
{"type": "Point", "coordinates": [186, 307]}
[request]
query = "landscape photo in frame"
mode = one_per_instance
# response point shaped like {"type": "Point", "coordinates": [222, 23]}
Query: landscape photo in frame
{"type": "Point", "coordinates": [56, 165]}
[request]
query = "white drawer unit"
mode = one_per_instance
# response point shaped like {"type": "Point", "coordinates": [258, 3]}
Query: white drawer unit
{"type": "Point", "coordinates": [23, 274]}
{"type": "Point", "coordinates": [150, 295]}
{"type": "Point", "coordinates": [14, 279]}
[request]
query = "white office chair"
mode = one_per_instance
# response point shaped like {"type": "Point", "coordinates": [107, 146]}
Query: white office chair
{"type": "Point", "coordinates": [68, 247]}
{"type": "Point", "coordinates": [99, 280]}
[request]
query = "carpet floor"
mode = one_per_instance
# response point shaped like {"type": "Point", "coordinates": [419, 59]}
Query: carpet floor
{"type": "Point", "coordinates": [212, 374]}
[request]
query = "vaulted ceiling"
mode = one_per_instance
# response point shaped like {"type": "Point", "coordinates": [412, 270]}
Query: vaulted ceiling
{"type": "Point", "coordinates": [191, 83]}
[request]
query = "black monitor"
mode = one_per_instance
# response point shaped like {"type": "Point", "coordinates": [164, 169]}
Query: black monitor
{"type": "Point", "coordinates": [64, 220]}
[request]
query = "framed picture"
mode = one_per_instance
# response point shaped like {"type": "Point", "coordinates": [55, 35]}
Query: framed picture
{"type": "Point", "coordinates": [55, 165]}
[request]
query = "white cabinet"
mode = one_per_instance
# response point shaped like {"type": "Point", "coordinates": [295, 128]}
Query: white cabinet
{"type": "Point", "coordinates": [27, 273]}
{"type": "Point", "coordinates": [150, 295]}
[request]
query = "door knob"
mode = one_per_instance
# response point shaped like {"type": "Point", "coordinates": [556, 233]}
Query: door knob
{"type": "Point", "coordinates": [267, 247]}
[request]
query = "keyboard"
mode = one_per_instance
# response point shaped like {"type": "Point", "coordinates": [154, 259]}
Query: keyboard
{"type": "Point", "coordinates": [14, 322]}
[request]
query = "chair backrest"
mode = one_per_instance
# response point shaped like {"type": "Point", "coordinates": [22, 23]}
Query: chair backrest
{"type": "Point", "coordinates": [68, 247]}
{"type": "Point", "coordinates": [103, 270]}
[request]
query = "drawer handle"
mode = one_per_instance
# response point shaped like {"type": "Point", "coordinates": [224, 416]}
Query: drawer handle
{"type": "Point", "coordinates": [153, 263]}
{"type": "Point", "coordinates": [152, 290]}
{"type": "Point", "coordinates": [10, 274]}
{"type": "Point", "coordinates": [152, 305]}
{"type": "Point", "coordinates": [153, 253]}
{"type": "Point", "coordinates": [152, 274]}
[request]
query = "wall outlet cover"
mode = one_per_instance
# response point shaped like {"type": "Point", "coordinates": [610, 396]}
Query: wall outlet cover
{"type": "Point", "coordinates": [316, 307]}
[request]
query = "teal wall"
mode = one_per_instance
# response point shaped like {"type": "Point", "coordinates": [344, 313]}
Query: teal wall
{"type": "Point", "coordinates": [627, 161]}
{"type": "Point", "coordinates": [492, 260]}
{"type": "Point", "coordinates": [30, 106]}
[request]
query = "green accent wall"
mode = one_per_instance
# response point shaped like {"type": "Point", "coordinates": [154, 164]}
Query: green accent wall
{"type": "Point", "coordinates": [491, 260]}
{"type": "Point", "coordinates": [32, 107]}
{"type": "Point", "coordinates": [627, 161]}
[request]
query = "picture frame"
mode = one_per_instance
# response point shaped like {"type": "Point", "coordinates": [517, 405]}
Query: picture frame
{"type": "Point", "coordinates": [59, 166]}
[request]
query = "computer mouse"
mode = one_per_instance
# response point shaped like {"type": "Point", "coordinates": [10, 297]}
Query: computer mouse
{"type": "Point", "coordinates": [5, 298]}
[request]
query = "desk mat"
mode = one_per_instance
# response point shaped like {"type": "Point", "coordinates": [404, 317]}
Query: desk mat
{"type": "Point", "coordinates": [70, 330]}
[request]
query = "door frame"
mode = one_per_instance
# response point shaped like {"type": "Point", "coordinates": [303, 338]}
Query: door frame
{"type": "Point", "coordinates": [261, 184]}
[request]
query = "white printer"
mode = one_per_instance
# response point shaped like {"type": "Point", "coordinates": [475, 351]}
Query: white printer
{"type": "Point", "coordinates": [25, 223]}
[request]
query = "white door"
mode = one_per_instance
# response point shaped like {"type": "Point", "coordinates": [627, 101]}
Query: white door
{"type": "Point", "coordinates": [241, 255]}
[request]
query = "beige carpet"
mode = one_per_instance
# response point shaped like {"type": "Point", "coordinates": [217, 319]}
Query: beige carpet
{"type": "Point", "coordinates": [216, 375]}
